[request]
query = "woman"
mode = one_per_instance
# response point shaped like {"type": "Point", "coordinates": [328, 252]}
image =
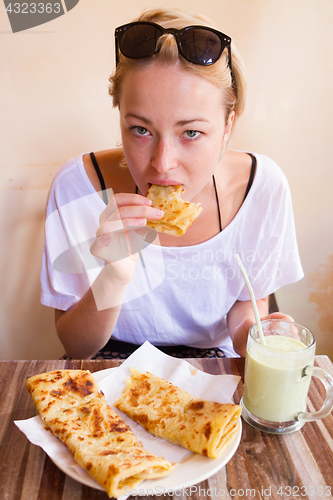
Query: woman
{"type": "Point", "coordinates": [179, 92]}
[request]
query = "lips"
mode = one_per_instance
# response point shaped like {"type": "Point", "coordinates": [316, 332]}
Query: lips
{"type": "Point", "coordinates": [165, 182]}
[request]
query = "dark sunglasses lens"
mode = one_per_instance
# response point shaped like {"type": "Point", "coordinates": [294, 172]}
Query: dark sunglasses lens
{"type": "Point", "coordinates": [139, 40]}
{"type": "Point", "coordinates": [200, 45]}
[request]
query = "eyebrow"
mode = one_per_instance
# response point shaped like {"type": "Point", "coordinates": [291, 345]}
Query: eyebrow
{"type": "Point", "coordinates": [180, 123]}
{"type": "Point", "coordinates": [141, 118]}
{"type": "Point", "coordinates": [186, 122]}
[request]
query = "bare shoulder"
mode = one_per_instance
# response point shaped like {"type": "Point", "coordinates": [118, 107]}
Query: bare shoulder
{"type": "Point", "coordinates": [115, 175]}
{"type": "Point", "coordinates": [239, 160]}
{"type": "Point", "coordinates": [234, 172]}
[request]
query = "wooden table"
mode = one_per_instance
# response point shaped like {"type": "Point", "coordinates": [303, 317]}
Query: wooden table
{"type": "Point", "coordinates": [265, 466]}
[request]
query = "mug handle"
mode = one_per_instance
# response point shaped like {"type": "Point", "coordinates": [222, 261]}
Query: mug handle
{"type": "Point", "coordinates": [327, 381]}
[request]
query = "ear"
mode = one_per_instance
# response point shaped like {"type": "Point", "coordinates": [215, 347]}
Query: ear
{"type": "Point", "coordinates": [228, 129]}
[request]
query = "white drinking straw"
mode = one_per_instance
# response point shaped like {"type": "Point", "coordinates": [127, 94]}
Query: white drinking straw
{"type": "Point", "coordinates": [254, 304]}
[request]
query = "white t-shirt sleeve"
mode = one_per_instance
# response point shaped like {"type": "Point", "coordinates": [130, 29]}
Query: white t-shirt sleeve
{"type": "Point", "coordinates": [273, 260]}
{"type": "Point", "coordinates": [72, 218]}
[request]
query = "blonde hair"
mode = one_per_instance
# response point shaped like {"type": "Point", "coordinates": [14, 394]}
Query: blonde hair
{"type": "Point", "coordinates": [232, 86]}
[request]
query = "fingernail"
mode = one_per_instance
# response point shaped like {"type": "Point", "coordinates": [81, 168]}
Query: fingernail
{"type": "Point", "coordinates": [141, 222]}
{"type": "Point", "coordinates": [159, 212]}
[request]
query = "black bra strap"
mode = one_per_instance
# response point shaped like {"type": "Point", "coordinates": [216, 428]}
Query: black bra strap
{"type": "Point", "coordinates": [217, 203]}
{"type": "Point", "coordinates": [253, 171]}
{"type": "Point", "coordinates": [100, 178]}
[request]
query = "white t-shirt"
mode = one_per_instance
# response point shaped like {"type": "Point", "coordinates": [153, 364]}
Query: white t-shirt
{"type": "Point", "coordinates": [178, 295]}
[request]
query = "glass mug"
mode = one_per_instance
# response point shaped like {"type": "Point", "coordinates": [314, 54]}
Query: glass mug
{"type": "Point", "coordinates": [277, 378]}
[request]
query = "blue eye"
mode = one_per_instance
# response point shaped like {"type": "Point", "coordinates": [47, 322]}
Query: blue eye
{"type": "Point", "coordinates": [192, 134]}
{"type": "Point", "coordinates": [139, 130]}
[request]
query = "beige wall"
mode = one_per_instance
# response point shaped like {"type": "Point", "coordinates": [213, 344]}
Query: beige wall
{"type": "Point", "coordinates": [54, 105]}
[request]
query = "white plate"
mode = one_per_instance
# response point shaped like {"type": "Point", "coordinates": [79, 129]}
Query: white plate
{"type": "Point", "coordinates": [194, 468]}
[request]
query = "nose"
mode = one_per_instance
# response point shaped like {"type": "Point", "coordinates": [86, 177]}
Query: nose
{"type": "Point", "coordinates": [164, 155]}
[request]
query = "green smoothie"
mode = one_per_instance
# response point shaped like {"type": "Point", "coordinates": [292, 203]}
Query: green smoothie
{"type": "Point", "coordinates": [274, 387]}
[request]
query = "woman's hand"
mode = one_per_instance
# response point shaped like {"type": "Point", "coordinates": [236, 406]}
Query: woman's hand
{"type": "Point", "coordinates": [121, 234]}
{"type": "Point", "coordinates": [86, 326]}
{"type": "Point", "coordinates": [242, 331]}
{"type": "Point", "coordinates": [241, 317]}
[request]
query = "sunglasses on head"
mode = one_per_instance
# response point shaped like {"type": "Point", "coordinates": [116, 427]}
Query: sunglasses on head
{"type": "Point", "coordinates": [196, 44]}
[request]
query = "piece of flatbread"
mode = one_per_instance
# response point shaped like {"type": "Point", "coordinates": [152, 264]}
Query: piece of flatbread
{"type": "Point", "coordinates": [166, 411]}
{"type": "Point", "coordinates": [75, 411]}
{"type": "Point", "coordinates": [178, 214]}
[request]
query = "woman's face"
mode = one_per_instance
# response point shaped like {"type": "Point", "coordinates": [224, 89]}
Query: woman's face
{"type": "Point", "coordinates": [173, 127]}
